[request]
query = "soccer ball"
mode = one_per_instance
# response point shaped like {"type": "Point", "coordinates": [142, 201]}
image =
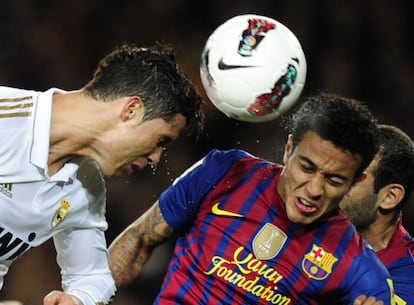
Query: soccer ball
{"type": "Point", "coordinates": [253, 68]}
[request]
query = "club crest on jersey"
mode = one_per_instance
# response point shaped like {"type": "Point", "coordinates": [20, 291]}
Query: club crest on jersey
{"type": "Point", "coordinates": [318, 263]}
{"type": "Point", "coordinates": [268, 241]}
{"type": "Point", "coordinates": [61, 212]}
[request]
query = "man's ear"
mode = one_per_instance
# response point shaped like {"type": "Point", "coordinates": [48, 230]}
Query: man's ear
{"type": "Point", "coordinates": [132, 106]}
{"type": "Point", "coordinates": [288, 148]}
{"type": "Point", "coordinates": [390, 196]}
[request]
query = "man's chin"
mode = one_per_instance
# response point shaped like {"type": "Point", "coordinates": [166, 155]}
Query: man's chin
{"type": "Point", "coordinates": [112, 173]}
{"type": "Point", "coordinates": [127, 170]}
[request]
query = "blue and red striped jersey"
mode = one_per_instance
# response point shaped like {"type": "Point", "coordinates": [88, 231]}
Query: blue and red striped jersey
{"type": "Point", "coordinates": [237, 245]}
{"type": "Point", "coordinates": [398, 257]}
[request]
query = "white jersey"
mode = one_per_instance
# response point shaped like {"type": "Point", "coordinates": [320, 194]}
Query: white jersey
{"type": "Point", "coordinates": [68, 206]}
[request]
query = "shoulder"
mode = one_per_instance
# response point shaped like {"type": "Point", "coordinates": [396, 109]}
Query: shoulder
{"type": "Point", "coordinates": [93, 183]}
{"type": "Point", "coordinates": [230, 155]}
{"type": "Point", "coordinates": [89, 174]}
{"type": "Point", "coordinates": [10, 92]}
{"type": "Point", "coordinates": [400, 250]}
{"type": "Point", "coordinates": [227, 158]}
{"type": "Point", "coordinates": [214, 165]}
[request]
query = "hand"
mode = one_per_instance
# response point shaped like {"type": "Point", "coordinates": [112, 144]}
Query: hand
{"type": "Point", "coordinates": [57, 297]}
{"type": "Point", "coordinates": [363, 300]}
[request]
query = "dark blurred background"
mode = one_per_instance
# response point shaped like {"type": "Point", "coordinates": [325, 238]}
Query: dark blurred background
{"type": "Point", "coordinates": [361, 49]}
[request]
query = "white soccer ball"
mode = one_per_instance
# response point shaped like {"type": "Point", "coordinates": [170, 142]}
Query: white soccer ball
{"type": "Point", "coordinates": [253, 68]}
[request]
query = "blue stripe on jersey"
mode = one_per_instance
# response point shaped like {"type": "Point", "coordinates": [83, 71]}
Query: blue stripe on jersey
{"type": "Point", "coordinates": [337, 239]}
{"type": "Point", "coordinates": [402, 274]}
{"type": "Point", "coordinates": [172, 269]}
{"type": "Point", "coordinates": [399, 260]}
{"type": "Point", "coordinates": [221, 245]}
{"type": "Point", "coordinates": [307, 289]}
{"type": "Point", "coordinates": [234, 226]}
{"type": "Point", "coordinates": [180, 213]}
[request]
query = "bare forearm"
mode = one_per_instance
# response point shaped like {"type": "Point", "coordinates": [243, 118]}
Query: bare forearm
{"type": "Point", "coordinates": [129, 252]}
{"type": "Point", "coordinates": [125, 261]}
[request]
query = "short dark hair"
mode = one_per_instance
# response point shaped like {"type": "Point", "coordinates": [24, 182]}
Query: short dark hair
{"type": "Point", "coordinates": [152, 74]}
{"type": "Point", "coordinates": [345, 122]}
{"type": "Point", "coordinates": [395, 161]}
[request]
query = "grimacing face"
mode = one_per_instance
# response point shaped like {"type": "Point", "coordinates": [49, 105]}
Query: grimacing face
{"type": "Point", "coordinates": [316, 176]}
{"type": "Point", "coordinates": [360, 204]}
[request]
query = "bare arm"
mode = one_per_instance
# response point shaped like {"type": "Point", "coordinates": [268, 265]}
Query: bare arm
{"type": "Point", "coordinates": [132, 248]}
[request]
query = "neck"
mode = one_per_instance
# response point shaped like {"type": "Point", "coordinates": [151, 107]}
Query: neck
{"type": "Point", "coordinates": [379, 234]}
{"type": "Point", "coordinates": [71, 132]}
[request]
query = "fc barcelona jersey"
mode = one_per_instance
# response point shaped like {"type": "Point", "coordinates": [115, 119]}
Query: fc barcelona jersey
{"type": "Point", "coordinates": [398, 257]}
{"type": "Point", "coordinates": [238, 247]}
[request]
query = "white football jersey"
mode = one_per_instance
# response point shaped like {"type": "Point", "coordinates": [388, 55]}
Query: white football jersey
{"type": "Point", "coordinates": [68, 206]}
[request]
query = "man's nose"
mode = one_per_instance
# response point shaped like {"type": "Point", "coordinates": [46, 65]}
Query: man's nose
{"type": "Point", "coordinates": [155, 156]}
{"type": "Point", "coordinates": [315, 186]}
